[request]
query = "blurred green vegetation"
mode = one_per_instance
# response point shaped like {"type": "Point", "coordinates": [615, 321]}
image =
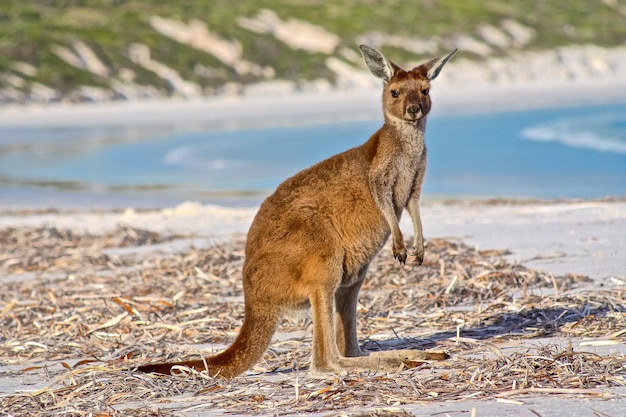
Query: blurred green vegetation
{"type": "Point", "coordinates": [29, 30]}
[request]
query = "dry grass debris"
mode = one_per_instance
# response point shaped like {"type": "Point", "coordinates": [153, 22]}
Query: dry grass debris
{"type": "Point", "coordinates": [77, 313]}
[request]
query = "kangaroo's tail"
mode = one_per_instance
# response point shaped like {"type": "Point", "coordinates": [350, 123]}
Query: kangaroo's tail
{"type": "Point", "coordinates": [253, 340]}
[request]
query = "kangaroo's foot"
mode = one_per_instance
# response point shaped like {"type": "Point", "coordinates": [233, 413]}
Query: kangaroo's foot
{"type": "Point", "coordinates": [408, 357]}
{"type": "Point", "coordinates": [384, 361]}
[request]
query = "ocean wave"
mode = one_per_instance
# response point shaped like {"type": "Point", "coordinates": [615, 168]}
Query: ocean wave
{"type": "Point", "coordinates": [178, 156]}
{"type": "Point", "coordinates": [191, 157]}
{"type": "Point", "coordinates": [605, 133]}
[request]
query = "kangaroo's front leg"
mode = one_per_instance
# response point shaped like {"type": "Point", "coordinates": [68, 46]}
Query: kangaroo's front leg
{"type": "Point", "coordinates": [418, 236]}
{"type": "Point", "coordinates": [413, 207]}
{"type": "Point", "coordinates": [381, 185]}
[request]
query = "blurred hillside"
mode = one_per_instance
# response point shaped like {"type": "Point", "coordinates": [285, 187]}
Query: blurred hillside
{"type": "Point", "coordinates": [91, 50]}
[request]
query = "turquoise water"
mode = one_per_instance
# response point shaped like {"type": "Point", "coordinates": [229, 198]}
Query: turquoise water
{"type": "Point", "coordinates": [558, 153]}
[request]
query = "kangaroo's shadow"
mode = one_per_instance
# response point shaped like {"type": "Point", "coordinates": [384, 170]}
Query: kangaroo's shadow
{"type": "Point", "coordinates": [529, 323]}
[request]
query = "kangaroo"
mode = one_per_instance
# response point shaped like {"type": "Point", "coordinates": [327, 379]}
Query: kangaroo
{"type": "Point", "coordinates": [312, 240]}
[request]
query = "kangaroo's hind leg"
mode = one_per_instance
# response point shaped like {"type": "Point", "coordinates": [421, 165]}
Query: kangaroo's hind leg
{"type": "Point", "coordinates": [326, 356]}
{"type": "Point", "coordinates": [335, 346]}
{"type": "Point", "coordinates": [346, 300]}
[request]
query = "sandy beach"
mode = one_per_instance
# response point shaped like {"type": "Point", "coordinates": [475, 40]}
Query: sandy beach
{"type": "Point", "coordinates": [557, 238]}
{"type": "Point", "coordinates": [564, 240]}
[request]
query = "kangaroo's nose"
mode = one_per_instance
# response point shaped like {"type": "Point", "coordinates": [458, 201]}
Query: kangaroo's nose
{"type": "Point", "coordinates": [413, 109]}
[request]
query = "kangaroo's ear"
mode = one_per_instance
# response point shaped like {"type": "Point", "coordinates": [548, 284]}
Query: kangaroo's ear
{"type": "Point", "coordinates": [434, 66]}
{"type": "Point", "coordinates": [380, 66]}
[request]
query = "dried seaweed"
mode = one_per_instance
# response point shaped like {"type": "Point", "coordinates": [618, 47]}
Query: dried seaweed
{"type": "Point", "coordinates": [80, 315]}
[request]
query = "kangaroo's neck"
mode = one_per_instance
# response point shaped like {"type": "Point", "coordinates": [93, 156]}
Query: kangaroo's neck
{"type": "Point", "coordinates": [404, 132]}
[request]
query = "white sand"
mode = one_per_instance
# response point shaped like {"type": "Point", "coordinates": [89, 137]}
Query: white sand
{"type": "Point", "coordinates": [311, 108]}
{"type": "Point", "coordinates": [578, 237]}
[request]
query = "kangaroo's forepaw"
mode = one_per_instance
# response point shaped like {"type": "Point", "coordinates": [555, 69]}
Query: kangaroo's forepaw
{"type": "Point", "coordinates": [419, 256]}
{"type": "Point", "coordinates": [400, 256]}
{"type": "Point", "coordinates": [399, 253]}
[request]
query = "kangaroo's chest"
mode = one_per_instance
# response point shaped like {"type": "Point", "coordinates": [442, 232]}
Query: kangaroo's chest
{"type": "Point", "coordinates": [408, 165]}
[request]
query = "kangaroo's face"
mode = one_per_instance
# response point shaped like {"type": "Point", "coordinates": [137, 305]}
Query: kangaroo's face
{"type": "Point", "coordinates": [407, 95]}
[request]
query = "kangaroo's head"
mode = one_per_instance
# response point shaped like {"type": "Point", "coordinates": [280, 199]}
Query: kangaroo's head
{"type": "Point", "coordinates": [406, 94]}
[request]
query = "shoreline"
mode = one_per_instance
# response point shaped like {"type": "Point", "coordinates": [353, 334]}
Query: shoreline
{"type": "Point", "coordinates": [287, 110]}
{"type": "Point", "coordinates": [466, 88]}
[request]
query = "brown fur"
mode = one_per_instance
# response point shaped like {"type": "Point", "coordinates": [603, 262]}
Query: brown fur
{"type": "Point", "coordinates": [313, 239]}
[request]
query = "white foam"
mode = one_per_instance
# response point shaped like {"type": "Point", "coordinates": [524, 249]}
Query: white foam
{"type": "Point", "coordinates": [178, 155]}
{"type": "Point", "coordinates": [186, 218]}
{"type": "Point", "coordinates": [196, 158]}
{"type": "Point", "coordinates": [589, 133]}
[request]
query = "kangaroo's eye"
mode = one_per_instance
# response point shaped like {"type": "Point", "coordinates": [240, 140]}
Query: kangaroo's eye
{"type": "Point", "coordinates": [426, 91]}
{"type": "Point", "coordinates": [395, 93]}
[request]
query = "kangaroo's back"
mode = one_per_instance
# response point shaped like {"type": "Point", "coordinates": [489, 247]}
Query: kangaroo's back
{"type": "Point", "coordinates": [330, 202]}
